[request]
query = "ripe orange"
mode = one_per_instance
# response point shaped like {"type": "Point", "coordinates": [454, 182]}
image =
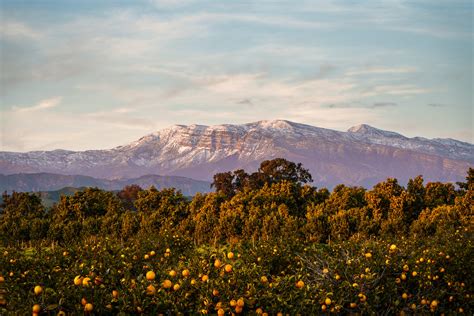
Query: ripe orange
{"type": "Point", "coordinates": [327, 301]}
{"type": "Point", "coordinates": [299, 284]}
{"type": "Point", "coordinates": [38, 290]}
{"type": "Point", "coordinates": [150, 275]}
{"type": "Point", "coordinates": [204, 278]}
{"type": "Point", "coordinates": [230, 255]}
{"type": "Point", "coordinates": [176, 287]}
{"type": "Point", "coordinates": [36, 308]}
{"type": "Point", "coordinates": [228, 268]}
{"type": "Point", "coordinates": [217, 263]}
{"type": "Point", "coordinates": [150, 290]}
{"type": "Point", "coordinates": [167, 284]}
{"type": "Point", "coordinates": [172, 273]}
{"type": "Point", "coordinates": [185, 273]}
{"type": "Point", "coordinates": [88, 308]}
{"type": "Point", "coordinates": [86, 281]}
{"type": "Point", "coordinates": [78, 280]}
{"type": "Point", "coordinates": [240, 302]}
{"type": "Point", "coordinates": [115, 294]}
{"type": "Point", "coordinates": [264, 279]}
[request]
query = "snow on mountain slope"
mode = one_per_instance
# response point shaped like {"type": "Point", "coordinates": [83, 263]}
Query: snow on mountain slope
{"type": "Point", "coordinates": [363, 155]}
{"type": "Point", "coordinates": [443, 147]}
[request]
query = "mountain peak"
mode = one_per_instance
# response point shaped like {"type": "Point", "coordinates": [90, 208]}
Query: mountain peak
{"type": "Point", "coordinates": [365, 129]}
{"type": "Point", "coordinates": [361, 128]}
{"type": "Point", "coordinates": [277, 124]}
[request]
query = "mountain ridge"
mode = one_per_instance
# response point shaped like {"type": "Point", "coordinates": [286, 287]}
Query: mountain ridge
{"type": "Point", "coordinates": [40, 182]}
{"type": "Point", "coordinates": [362, 155]}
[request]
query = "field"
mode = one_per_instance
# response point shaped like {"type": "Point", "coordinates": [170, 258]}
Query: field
{"type": "Point", "coordinates": [271, 247]}
{"type": "Point", "coordinates": [170, 276]}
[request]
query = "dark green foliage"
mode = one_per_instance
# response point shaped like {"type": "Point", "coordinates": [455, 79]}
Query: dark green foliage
{"type": "Point", "coordinates": [272, 203]}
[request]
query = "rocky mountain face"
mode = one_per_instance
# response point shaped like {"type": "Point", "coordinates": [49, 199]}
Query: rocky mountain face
{"type": "Point", "coordinates": [363, 155]}
{"type": "Point", "coordinates": [36, 182]}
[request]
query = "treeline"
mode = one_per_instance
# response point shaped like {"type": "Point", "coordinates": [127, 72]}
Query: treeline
{"type": "Point", "coordinates": [273, 203]}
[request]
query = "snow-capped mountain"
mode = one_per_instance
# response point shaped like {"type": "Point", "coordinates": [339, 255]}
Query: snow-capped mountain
{"type": "Point", "coordinates": [443, 147]}
{"type": "Point", "coordinates": [363, 155]}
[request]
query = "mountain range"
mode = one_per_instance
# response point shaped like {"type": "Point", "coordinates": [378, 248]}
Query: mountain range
{"type": "Point", "coordinates": [36, 182]}
{"type": "Point", "coordinates": [362, 155]}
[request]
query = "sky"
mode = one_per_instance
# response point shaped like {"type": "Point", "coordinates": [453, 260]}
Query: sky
{"type": "Point", "coordinates": [98, 74]}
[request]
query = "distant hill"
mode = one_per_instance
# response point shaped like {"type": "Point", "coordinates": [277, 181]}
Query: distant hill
{"type": "Point", "coordinates": [51, 197]}
{"type": "Point", "coordinates": [363, 155]}
{"type": "Point", "coordinates": [40, 182]}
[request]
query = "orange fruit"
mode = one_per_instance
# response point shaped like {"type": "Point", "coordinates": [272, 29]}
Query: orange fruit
{"type": "Point", "coordinates": [36, 308]}
{"type": "Point", "coordinates": [38, 290]}
{"type": "Point", "coordinates": [86, 281]}
{"type": "Point", "coordinates": [150, 275]}
{"type": "Point", "coordinates": [150, 290]}
{"type": "Point", "coordinates": [78, 280]}
{"type": "Point", "coordinates": [88, 308]}
{"type": "Point", "coordinates": [167, 284]}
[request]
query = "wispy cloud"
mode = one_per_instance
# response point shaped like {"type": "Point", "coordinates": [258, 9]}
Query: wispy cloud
{"type": "Point", "coordinates": [18, 30]}
{"type": "Point", "coordinates": [381, 70]}
{"type": "Point", "coordinates": [383, 104]}
{"type": "Point", "coordinates": [42, 105]}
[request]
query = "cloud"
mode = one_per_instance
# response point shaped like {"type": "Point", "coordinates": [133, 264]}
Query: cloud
{"type": "Point", "coordinates": [18, 30]}
{"type": "Point", "coordinates": [383, 104]}
{"type": "Point", "coordinates": [171, 3]}
{"type": "Point", "coordinates": [381, 70]}
{"type": "Point", "coordinates": [395, 89]}
{"type": "Point", "coordinates": [42, 105]}
{"type": "Point", "coordinates": [436, 105]}
{"type": "Point", "coordinates": [358, 104]}
{"type": "Point", "coordinates": [245, 102]}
